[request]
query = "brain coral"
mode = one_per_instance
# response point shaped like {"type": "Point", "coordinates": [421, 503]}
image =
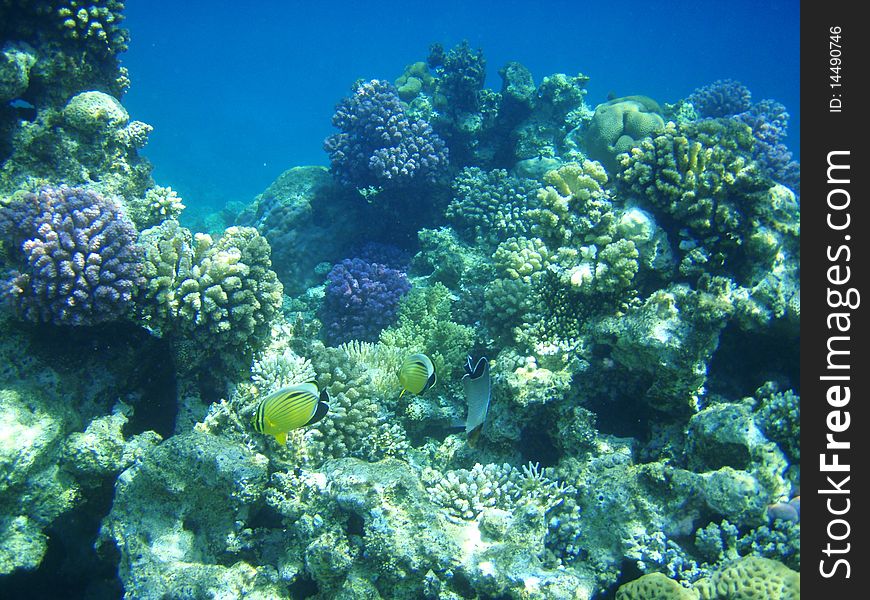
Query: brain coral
{"type": "Point", "coordinates": [654, 586]}
{"type": "Point", "coordinates": [79, 264]}
{"type": "Point", "coordinates": [752, 578]}
{"type": "Point", "coordinates": [620, 123]}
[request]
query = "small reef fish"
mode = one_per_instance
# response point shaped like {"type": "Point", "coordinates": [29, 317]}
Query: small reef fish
{"type": "Point", "coordinates": [417, 374]}
{"type": "Point", "coordinates": [477, 385]}
{"type": "Point", "coordinates": [290, 408]}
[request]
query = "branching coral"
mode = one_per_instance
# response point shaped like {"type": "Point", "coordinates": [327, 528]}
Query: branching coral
{"type": "Point", "coordinates": [220, 294]}
{"type": "Point", "coordinates": [722, 98]}
{"type": "Point", "coordinates": [158, 205]}
{"type": "Point", "coordinates": [426, 325]}
{"type": "Point", "coordinates": [362, 298]}
{"type": "Point", "coordinates": [79, 262]}
{"type": "Point", "coordinates": [489, 206]}
{"type": "Point", "coordinates": [379, 144]}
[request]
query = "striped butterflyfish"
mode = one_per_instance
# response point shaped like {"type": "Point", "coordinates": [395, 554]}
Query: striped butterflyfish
{"type": "Point", "coordinates": [477, 385]}
{"type": "Point", "coordinates": [417, 374]}
{"type": "Point", "coordinates": [289, 408]}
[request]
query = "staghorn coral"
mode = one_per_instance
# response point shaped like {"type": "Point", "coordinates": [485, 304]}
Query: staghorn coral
{"type": "Point", "coordinates": [379, 144]}
{"type": "Point", "coordinates": [78, 262]}
{"type": "Point", "coordinates": [464, 494]}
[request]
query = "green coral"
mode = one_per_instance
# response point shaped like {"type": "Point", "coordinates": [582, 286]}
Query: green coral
{"type": "Point", "coordinates": [425, 324]}
{"type": "Point", "coordinates": [672, 337]}
{"type": "Point", "coordinates": [703, 178]}
{"type": "Point", "coordinates": [449, 260]}
{"type": "Point", "coordinates": [779, 417]}
{"type": "Point", "coordinates": [575, 207]}
{"type": "Point", "coordinates": [751, 578]}
{"type": "Point", "coordinates": [219, 295]}
{"type": "Point", "coordinates": [521, 258]}
{"type": "Point", "coordinates": [416, 79]}
{"type": "Point", "coordinates": [95, 24]}
{"type": "Point", "coordinates": [489, 206]}
{"type": "Point", "coordinates": [159, 204]}
{"type": "Point", "coordinates": [16, 61]}
{"type": "Point", "coordinates": [619, 124]}
{"type": "Point", "coordinates": [655, 586]}
{"type": "Point", "coordinates": [90, 141]}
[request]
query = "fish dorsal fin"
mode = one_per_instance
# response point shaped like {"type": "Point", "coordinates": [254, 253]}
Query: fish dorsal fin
{"type": "Point", "coordinates": [281, 437]}
{"type": "Point", "coordinates": [479, 369]}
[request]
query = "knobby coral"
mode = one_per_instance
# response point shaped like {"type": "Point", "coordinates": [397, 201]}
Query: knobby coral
{"type": "Point", "coordinates": [379, 144]}
{"type": "Point", "coordinates": [78, 261]}
{"type": "Point", "coordinates": [361, 299]}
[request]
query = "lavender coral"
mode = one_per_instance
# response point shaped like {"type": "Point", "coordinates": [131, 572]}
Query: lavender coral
{"type": "Point", "coordinates": [79, 264]}
{"type": "Point", "coordinates": [769, 122]}
{"type": "Point", "coordinates": [379, 144]}
{"type": "Point", "coordinates": [722, 98]}
{"type": "Point", "coordinates": [361, 299]}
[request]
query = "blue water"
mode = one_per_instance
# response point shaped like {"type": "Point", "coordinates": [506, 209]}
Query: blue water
{"type": "Point", "coordinates": [238, 92]}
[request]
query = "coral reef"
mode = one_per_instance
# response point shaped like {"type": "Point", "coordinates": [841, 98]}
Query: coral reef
{"type": "Point", "coordinates": [609, 264]}
{"type": "Point", "coordinates": [362, 298]}
{"type": "Point", "coordinates": [78, 264]}
{"type": "Point", "coordinates": [213, 298]}
{"type": "Point", "coordinates": [379, 144]}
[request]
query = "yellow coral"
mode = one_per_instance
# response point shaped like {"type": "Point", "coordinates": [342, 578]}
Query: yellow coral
{"type": "Point", "coordinates": [655, 586]}
{"type": "Point", "coordinates": [751, 578]}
